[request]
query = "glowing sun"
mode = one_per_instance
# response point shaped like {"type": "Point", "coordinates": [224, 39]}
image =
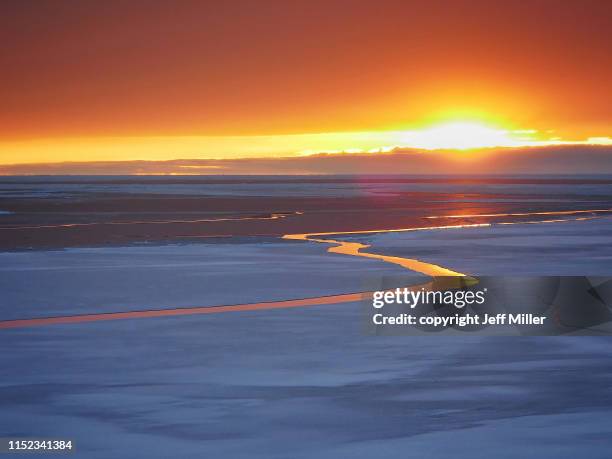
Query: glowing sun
{"type": "Point", "coordinates": [461, 136]}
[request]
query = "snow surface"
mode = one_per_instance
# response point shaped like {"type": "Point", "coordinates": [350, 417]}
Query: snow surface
{"type": "Point", "coordinates": [82, 280]}
{"type": "Point", "coordinates": [572, 248]}
{"type": "Point", "coordinates": [295, 383]}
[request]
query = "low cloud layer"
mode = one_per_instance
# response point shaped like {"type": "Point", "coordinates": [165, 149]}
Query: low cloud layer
{"type": "Point", "coordinates": [583, 159]}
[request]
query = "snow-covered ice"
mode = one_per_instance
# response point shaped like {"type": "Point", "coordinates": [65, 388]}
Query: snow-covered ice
{"type": "Point", "coordinates": [571, 248]}
{"type": "Point", "coordinates": [84, 280]}
{"type": "Point", "coordinates": [299, 383]}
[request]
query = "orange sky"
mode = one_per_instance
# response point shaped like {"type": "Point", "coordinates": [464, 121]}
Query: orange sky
{"type": "Point", "coordinates": [99, 71]}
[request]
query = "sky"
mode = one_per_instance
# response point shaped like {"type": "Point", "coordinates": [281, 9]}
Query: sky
{"type": "Point", "coordinates": [157, 81]}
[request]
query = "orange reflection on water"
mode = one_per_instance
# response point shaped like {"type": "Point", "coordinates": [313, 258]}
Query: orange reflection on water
{"type": "Point", "coordinates": [273, 216]}
{"type": "Point", "coordinates": [355, 248]}
{"type": "Point", "coordinates": [80, 318]}
{"type": "Point", "coordinates": [525, 214]}
{"type": "Point", "coordinates": [341, 247]}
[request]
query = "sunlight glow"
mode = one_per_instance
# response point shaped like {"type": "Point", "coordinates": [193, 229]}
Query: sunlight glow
{"type": "Point", "coordinates": [452, 134]}
{"type": "Point", "coordinates": [463, 136]}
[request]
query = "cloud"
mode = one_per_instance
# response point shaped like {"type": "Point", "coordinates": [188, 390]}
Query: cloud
{"type": "Point", "coordinates": [562, 159]}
